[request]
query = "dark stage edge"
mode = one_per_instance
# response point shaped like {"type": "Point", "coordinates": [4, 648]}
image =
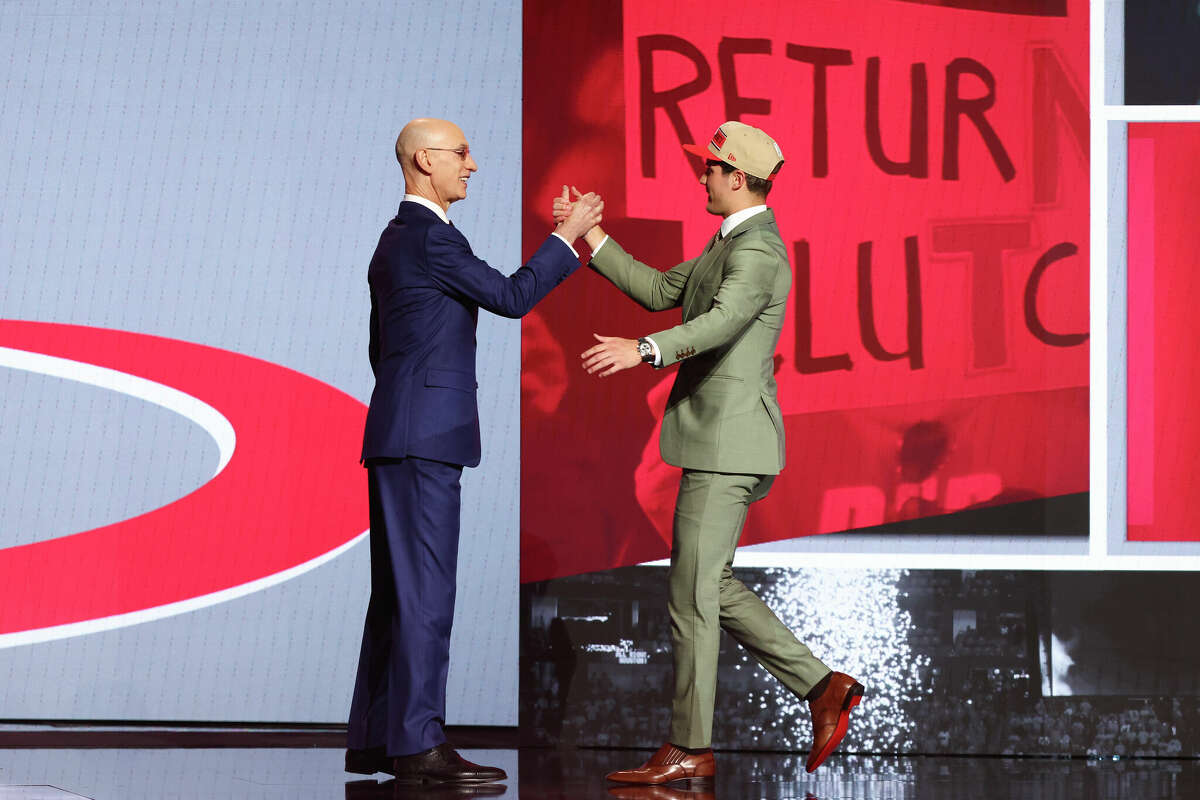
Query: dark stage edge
{"type": "Point", "coordinates": [546, 774]}
{"type": "Point", "coordinates": [42, 734]}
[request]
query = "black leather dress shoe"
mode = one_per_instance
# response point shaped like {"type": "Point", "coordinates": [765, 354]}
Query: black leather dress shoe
{"type": "Point", "coordinates": [442, 764]}
{"type": "Point", "coordinates": [368, 761]}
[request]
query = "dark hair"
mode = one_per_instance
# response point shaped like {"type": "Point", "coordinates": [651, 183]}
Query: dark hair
{"type": "Point", "coordinates": [756, 185]}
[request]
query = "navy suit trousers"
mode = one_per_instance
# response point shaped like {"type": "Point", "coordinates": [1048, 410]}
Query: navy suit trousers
{"type": "Point", "coordinates": [400, 693]}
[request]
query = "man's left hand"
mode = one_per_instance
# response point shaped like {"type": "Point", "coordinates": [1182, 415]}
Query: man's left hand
{"type": "Point", "coordinates": [612, 355]}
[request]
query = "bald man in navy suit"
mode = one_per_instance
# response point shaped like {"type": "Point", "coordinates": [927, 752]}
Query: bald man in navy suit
{"type": "Point", "coordinates": [427, 287]}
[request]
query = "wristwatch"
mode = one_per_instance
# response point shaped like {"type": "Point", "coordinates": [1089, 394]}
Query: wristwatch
{"type": "Point", "coordinates": [646, 350]}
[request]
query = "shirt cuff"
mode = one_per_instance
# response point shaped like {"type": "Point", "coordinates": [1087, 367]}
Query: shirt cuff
{"type": "Point", "coordinates": [597, 250]}
{"type": "Point", "coordinates": [653, 344]}
{"type": "Point", "coordinates": [563, 239]}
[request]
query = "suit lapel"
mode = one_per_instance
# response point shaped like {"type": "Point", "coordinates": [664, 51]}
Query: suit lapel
{"type": "Point", "coordinates": [711, 257]}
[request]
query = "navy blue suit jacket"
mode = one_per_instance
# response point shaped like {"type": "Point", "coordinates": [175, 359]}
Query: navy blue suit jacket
{"type": "Point", "coordinates": [426, 291]}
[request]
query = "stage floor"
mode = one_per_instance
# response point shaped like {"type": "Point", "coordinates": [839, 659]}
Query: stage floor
{"type": "Point", "coordinates": [301, 774]}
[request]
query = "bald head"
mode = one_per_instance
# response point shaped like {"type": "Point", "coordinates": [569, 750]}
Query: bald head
{"type": "Point", "coordinates": [424, 132]}
{"type": "Point", "coordinates": [436, 160]}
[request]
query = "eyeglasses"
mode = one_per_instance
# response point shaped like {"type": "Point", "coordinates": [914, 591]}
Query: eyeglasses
{"type": "Point", "coordinates": [462, 152]}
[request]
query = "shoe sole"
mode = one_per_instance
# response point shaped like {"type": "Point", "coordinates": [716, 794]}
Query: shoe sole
{"type": "Point", "coordinates": [853, 697]}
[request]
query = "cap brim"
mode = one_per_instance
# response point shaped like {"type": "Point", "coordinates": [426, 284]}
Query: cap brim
{"type": "Point", "coordinates": [702, 152]}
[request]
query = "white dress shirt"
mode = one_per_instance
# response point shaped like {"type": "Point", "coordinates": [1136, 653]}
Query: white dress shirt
{"type": "Point", "coordinates": [738, 217]}
{"type": "Point", "coordinates": [432, 206]}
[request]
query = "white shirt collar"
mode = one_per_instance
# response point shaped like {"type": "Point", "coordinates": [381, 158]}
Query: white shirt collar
{"type": "Point", "coordinates": [432, 206]}
{"type": "Point", "coordinates": [737, 218]}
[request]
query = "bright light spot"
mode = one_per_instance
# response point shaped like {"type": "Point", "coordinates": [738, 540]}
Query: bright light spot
{"type": "Point", "coordinates": [1061, 663]}
{"type": "Point", "coordinates": [852, 621]}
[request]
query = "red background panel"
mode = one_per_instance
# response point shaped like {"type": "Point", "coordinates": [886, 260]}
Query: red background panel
{"type": "Point", "coordinates": [289, 494]}
{"type": "Point", "coordinates": [1163, 334]}
{"type": "Point", "coordinates": [934, 200]}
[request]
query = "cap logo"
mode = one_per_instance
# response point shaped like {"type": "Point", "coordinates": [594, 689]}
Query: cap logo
{"type": "Point", "coordinates": [731, 156]}
{"type": "Point", "coordinates": [718, 139]}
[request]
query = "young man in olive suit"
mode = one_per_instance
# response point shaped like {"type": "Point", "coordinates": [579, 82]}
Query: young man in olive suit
{"type": "Point", "coordinates": [724, 427]}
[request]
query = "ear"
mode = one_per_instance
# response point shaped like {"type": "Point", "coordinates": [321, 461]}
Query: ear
{"type": "Point", "coordinates": [739, 179]}
{"type": "Point", "coordinates": [422, 161]}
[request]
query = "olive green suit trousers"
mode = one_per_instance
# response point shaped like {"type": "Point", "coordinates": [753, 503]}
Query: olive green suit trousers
{"type": "Point", "coordinates": [724, 427]}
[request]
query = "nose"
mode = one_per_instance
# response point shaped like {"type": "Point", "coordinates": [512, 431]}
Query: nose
{"type": "Point", "coordinates": [471, 165]}
{"type": "Point", "coordinates": [704, 177]}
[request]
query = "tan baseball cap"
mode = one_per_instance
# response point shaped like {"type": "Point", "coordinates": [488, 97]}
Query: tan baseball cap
{"type": "Point", "coordinates": [742, 146]}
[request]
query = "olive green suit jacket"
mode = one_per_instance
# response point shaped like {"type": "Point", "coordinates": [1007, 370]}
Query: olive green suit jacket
{"type": "Point", "coordinates": [723, 414]}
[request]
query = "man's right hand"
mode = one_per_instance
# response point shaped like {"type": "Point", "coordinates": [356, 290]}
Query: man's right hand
{"type": "Point", "coordinates": [563, 207]}
{"type": "Point", "coordinates": [585, 213]}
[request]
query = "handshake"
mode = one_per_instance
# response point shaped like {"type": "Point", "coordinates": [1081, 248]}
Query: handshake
{"type": "Point", "coordinates": [581, 217]}
{"type": "Point", "coordinates": [575, 218]}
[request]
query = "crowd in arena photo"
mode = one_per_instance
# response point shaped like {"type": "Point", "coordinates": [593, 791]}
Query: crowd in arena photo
{"type": "Point", "coordinates": [974, 642]}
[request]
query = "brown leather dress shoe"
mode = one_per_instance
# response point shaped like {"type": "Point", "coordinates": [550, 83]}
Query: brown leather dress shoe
{"type": "Point", "coordinates": [831, 716]}
{"type": "Point", "coordinates": [368, 761]}
{"type": "Point", "coordinates": [442, 764]}
{"type": "Point", "coordinates": [668, 764]}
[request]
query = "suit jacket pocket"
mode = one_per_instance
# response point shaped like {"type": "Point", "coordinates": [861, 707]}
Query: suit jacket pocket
{"type": "Point", "coordinates": [699, 413]}
{"type": "Point", "coordinates": [451, 379]}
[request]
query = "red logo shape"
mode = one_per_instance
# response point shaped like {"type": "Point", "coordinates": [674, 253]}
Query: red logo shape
{"type": "Point", "coordinates": [291, 493]}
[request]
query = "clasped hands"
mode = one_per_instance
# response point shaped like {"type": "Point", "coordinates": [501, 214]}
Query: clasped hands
{"type": "Point", "coordinates": [579, 217]}
{"type": "Point", "coordinates": [613, 353]}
